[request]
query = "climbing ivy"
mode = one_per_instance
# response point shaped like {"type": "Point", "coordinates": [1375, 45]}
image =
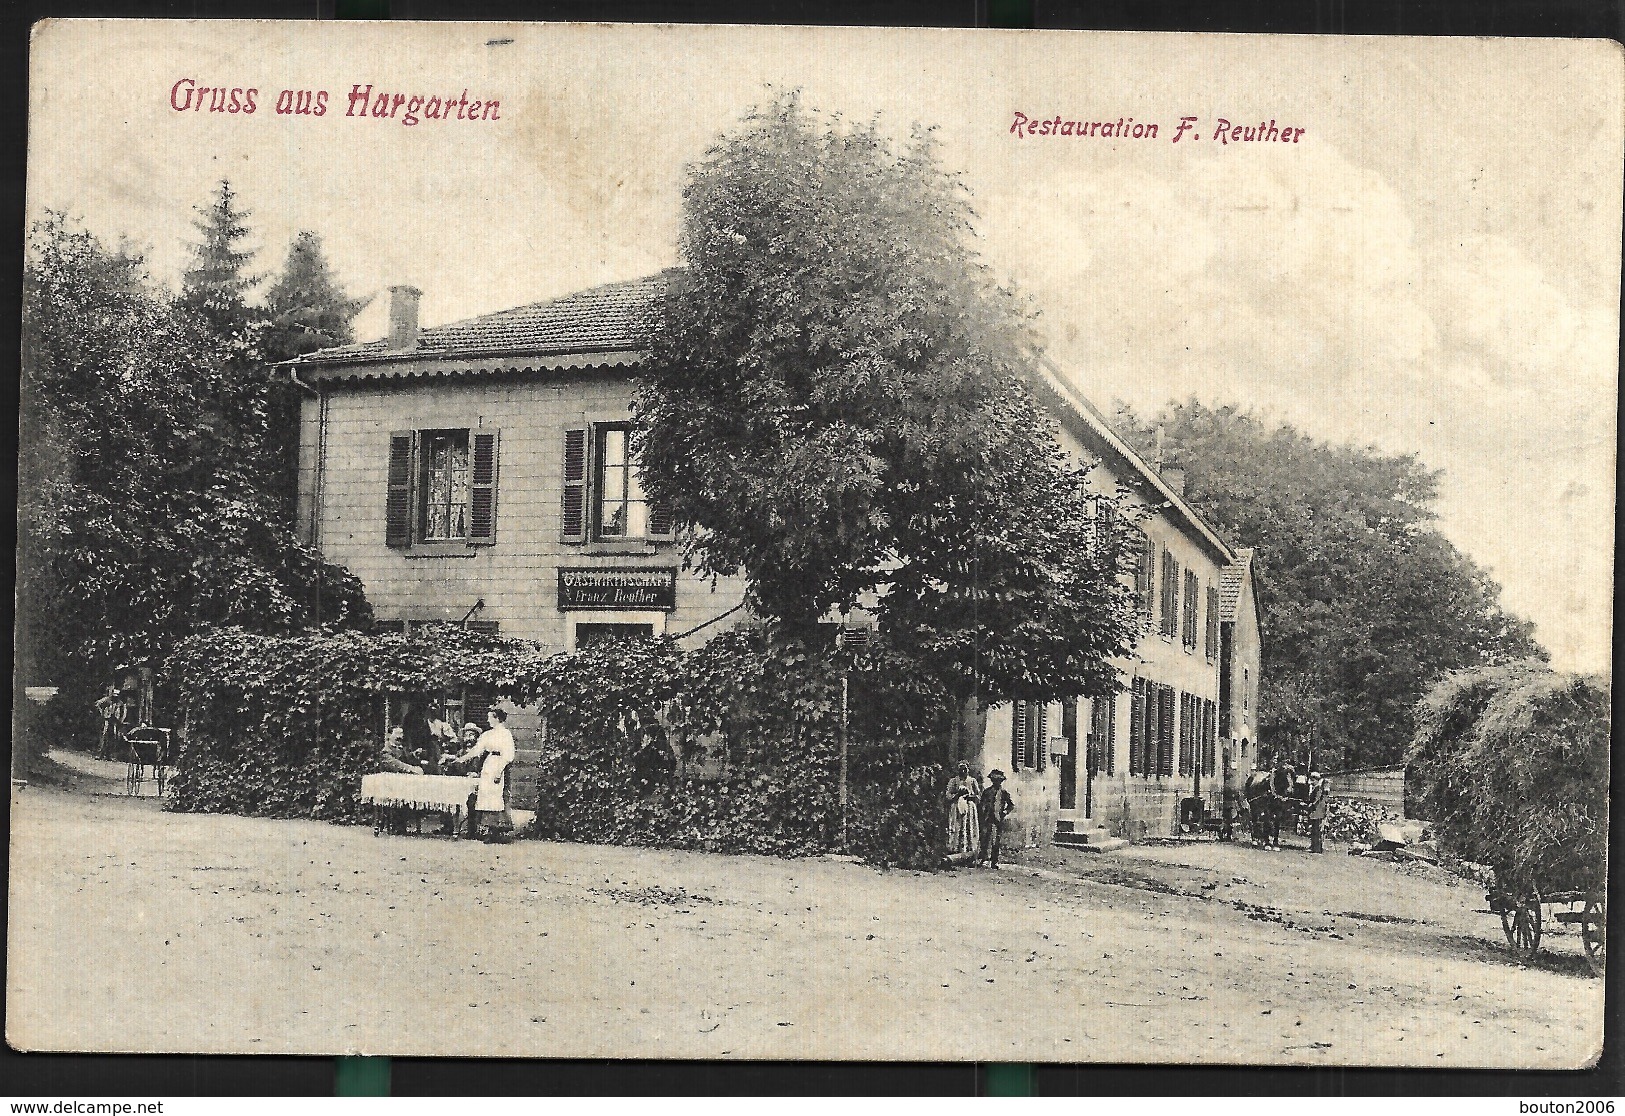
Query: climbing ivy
{"type": "Point", "coordinates": [733, 746]}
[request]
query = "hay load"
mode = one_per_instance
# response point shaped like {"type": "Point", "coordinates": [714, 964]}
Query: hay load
{"type": "Point", "coordinates": [1513, 762]}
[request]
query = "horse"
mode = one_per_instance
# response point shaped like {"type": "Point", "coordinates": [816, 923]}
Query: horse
{"type": "Point", "coordinates": [1265, 807]}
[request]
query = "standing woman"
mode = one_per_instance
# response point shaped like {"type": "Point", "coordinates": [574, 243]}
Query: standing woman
{"type": "Point", "coordinates": [491, 799]}
{"type": "Point", "coordinates": [964, 798]}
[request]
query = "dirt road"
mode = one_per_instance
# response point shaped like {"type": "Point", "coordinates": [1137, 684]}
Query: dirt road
{"type": "Point", "coordinates": [133, 929]}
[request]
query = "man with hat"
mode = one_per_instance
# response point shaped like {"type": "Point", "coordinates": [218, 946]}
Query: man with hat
{"type": "Point", "coordinates": [1319, 792]}
{"type": "Point", "coordinates": [996, 806]}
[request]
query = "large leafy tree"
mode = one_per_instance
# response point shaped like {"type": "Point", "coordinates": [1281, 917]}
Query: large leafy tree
{"type": "Point", "coordinates": [140, 512]}
{"type": "Point", "coordinates": [837, 407]}
{"type": "Point", "coordinates": [1365, 603]}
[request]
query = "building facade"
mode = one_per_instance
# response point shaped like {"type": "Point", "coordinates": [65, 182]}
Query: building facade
{"type": "Point", "coordinates": [480, 472]}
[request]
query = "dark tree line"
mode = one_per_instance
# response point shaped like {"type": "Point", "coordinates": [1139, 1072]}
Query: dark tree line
{"type": "Point", "coordinates": [1365, 603]}
{"type": "Point", "coordinates": [156, 474]}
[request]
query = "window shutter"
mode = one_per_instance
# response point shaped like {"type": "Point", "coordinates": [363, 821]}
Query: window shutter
{"type": "Point", "coordinates": [1106, 531]}
{"type": "Point", "coordinates": [1210, 716]}
{"type": "Point", "coordinates": [1212, 643]}
{"type": "Point", "coordinates": [398, 504]}
{"type": "Point", "coordinates": [660, 521]}
{"type": "Point", "coordinates": [1165, 726]}
{"type": "Point", "coordinates": [1018, 734]}
{"type": "Point", "coordinates": [1040, 742]}
{"type": "Point", "coordinates": [1111, 735]}
{"type": "Point", "coordinates": [482, 492]}
{"type": "Point", "coordinates": [1145, 574]}
{"type": "Point", "coordinates": [574, 517]}
{"type": "Point", "coordinates": [1185, 733]}
{"type": "Point", "coordinates": [1136, 719]}
{"type": "Point", "coordinates": [1188, 634]}
{"type": "Point", "coordinates": [1170, 595]}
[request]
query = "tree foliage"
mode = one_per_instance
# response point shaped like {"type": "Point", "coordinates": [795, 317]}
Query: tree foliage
{"type": "Point", "coordinates": [140, 511]}
{"type": "Point", "coordinates": [837, 408]}
{"type": "Point", "coordinates": [1513, 762]}
{"type": "Point", "coordinates": [1365, 603]}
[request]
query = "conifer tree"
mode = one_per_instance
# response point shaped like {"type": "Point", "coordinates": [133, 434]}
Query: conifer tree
{"type": "Point", "coordinates": [305, 308]}
{"type": "Point", "coordinates": [218, 283]}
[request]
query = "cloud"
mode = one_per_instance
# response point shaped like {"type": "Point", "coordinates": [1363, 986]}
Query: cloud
{"type": "Point", "coordinates": [1310, 282]}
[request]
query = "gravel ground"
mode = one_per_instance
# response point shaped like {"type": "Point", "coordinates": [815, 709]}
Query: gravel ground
{"type": "Point", "coordinates": [135, 929]}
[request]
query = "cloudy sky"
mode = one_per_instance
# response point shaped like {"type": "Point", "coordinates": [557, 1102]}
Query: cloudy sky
{"type": "Point", "coordinates": [1433, 268]}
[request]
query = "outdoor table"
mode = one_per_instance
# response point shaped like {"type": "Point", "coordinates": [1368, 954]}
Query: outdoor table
{"type": "Point", "coordinates": [398, 790]}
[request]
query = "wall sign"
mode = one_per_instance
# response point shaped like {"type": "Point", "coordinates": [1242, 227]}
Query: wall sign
{"type": "Point", "coordinates": [618, 589]}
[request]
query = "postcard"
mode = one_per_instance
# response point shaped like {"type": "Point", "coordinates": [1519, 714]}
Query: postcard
{"type": "Point", "coordinates": [633, 541]}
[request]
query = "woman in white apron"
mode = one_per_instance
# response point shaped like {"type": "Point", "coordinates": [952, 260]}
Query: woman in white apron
{"type": "Point", "coordinates": [491, 799]}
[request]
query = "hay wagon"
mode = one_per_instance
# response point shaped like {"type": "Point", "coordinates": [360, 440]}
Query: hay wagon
{"type": "Point", "coordinates": [1526, 908]}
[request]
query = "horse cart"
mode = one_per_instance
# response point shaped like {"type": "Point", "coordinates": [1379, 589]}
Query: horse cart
{"type": "Point", "coordinates": [1526, 909]}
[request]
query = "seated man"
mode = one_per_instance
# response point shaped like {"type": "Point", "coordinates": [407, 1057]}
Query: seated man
{"type": "Point", "coordinates": [394, 758]}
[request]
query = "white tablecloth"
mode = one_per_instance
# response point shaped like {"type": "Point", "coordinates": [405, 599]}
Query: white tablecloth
{"type": "Point", "coordinates": [420, 792]}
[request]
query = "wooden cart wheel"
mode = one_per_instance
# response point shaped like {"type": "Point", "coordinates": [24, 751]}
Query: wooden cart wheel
{"type": "Point", "coordinates": [1520, 921]}
{"type": "Point", "coordinates": [1594, 932]}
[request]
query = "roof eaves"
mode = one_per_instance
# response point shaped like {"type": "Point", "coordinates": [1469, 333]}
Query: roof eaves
{"type": "Point", "coordinates": [400, 365]}
{"type": "Point", "coordinates": [1096, 422]}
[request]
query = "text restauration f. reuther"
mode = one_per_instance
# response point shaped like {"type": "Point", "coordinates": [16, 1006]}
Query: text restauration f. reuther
{"type": "Point", "coordinates": [1224, 132]}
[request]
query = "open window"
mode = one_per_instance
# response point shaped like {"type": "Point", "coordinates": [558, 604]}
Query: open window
{"type": "Point", "coordinates": [604, 499]}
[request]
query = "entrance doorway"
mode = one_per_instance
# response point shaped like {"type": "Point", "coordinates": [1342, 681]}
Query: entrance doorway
{"type": "Point", "coordinates": [1069, 758]}
{"type": "Point", "coordinates": [590, 633]}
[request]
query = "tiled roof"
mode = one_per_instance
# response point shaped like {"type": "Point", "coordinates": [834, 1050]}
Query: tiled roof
{"type": "Point", "coordinates": [1231, 579]}
{"type": "Point", "coordinates": [611, 318]}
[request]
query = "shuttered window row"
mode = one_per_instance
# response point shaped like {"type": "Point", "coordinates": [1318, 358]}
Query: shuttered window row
{"type": "Point", "coordinates": [1170, 731]}
{"type": "Point", "coordinates": [442, 488]}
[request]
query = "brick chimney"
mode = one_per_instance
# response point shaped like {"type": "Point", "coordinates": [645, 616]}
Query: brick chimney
{"type": "Point", "coordinates": [403, 317]}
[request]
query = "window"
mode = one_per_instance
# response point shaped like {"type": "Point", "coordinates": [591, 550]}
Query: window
{"type": "Point", "coordinates": [1106, 531]}
{"type": "Point", "coordinates": [1187, 628]}
{"type": "Point", "coordinates": [444, 484]}
{"type": "Point", "coordinates": [603, 494]}
{"type": "Point", "coordinates": [1028, 743]}
{"type": "Point", "coordinates": [1145, 567]}
{"type": "Point", "coordinates": [619, 509]}
{"type": "Point", "coordinates": [1246, 689]}
{"type": "Point", "coordinates": [441, 487]}
{"type": "Point", "coordinates": [1169, 625]}
{"type": "Point", "coordinates": [1210, 642]}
